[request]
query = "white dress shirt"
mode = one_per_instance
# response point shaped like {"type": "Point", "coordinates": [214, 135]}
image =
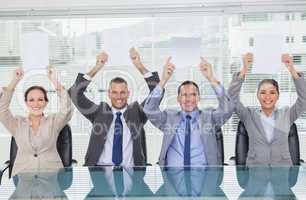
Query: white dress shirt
{"type": "Point", "coordinates": [268, 124]}
{"type": "Point", "coordinates": [127, 143]}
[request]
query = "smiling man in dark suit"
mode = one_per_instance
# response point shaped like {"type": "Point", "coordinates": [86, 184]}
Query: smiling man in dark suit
{"type": "Point", "coordinates": [118, 136]}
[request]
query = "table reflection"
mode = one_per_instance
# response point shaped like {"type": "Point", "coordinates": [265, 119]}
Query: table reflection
{"type": "Point", "coordinates": [42, 185]}
{"type": "Point", "coordinates": [118, 182]}
{"type": "Point", "coordinates": [194, 181]}
{"type": "Point", "coordinates": [267, 182]}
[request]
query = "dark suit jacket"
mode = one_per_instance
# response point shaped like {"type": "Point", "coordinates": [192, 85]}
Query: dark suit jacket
{"type": "Point", "coordinates": [101, 117]}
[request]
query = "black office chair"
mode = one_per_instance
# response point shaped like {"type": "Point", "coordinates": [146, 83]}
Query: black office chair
{"type": "Point", "coordinates": [219, 138]}
{"type": "Point", "coordinates": [64, 148]}
{"type": "Point", "coordinates": [242, 145]}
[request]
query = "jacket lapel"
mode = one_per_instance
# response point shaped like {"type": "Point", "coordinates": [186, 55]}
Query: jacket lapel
{"type": "Point", "coordinates": [258, 124]}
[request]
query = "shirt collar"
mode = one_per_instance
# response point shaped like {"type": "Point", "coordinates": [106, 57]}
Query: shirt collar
{"type": "Point", "coordinates": [193, 114]}
{"type": "Point", "coordinates": [27, 119]}
{"type": "Point", "coordinates": [115, 110]}
{"type": "Point", "coordinates": [264, 115]}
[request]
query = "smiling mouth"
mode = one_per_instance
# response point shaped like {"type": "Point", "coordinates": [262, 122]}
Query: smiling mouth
{"type": "Point", "coordinates": [268, 102]}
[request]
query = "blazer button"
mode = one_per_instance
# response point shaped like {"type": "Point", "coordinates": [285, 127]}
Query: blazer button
{"type": "Point", "coordinates": [35, 155]}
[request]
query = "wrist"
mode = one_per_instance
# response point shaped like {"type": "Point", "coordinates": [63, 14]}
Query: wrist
{"type": "Point", "coordinates": [162, 83]}
{"type": "Point", "coordinates": [213, 81]}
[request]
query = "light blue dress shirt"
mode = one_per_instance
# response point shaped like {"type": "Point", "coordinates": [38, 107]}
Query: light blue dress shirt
{"type": "Point", "coordinates": [175, 153]}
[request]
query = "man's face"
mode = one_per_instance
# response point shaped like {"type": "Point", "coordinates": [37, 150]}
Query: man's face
{"type": "Point", "coordinates": [188, 98]}
{"type": "Point", "coordinates": [118, 93]}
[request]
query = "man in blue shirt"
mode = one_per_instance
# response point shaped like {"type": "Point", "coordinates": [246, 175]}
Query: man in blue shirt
{"type": "Point", "coordinates": [189, 134]}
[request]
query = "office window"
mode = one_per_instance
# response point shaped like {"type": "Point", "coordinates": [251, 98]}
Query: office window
{"type": "Point", "coordinates": [290, 16]}
{"type": "Point", "coordinates": [77, 40]}
{"type": "Point", "coordinates": [297, 59]}
{"type": "Point", "coordinates": [289, 39]}
{"type": "Point", "coordinates": [255, 17]}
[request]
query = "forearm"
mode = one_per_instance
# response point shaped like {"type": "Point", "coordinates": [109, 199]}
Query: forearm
{"type": "Point", "coordinates": [6, 116]}
{"type": "Point", "coordinates": [93, 71]}
{"type": "Point", "coordinates": [153, 101]}
{"type": "Point", "coordinates": [12, 84]}
{"type": "Point", "coordinates": [214, 82]}
{"type": "Point", "coordinates": [141, 68]}
{"type": "Point", "coordinates": [162, 83]}
{"type": "Point", "coordinates": [235, 86]}
{"type": "Point", "coordinates": [226, 106]}
{"type": "Point", "coordinates": [5, 99]}
{"type": "Point", "coordinates": [65, 104]}
{"type": "Point", "coordinates": [295, 75]}
{"type": "Point", "coordinates": [57, 85]}
{"type": "Point", "coordinates": [152, 109]}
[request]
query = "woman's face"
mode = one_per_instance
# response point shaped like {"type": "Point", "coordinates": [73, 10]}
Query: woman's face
{"type": "Point", "coordinates": [36, 102]}
{"type": "Point", "coordinates": [267, 96]}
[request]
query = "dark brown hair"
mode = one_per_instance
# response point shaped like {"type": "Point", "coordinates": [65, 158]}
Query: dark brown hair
{"type": "Point", "coordinates": [117, 80]}
{"type": "Point", "coordinates": [270, 81]}
{"type": "Point", "coordinates": [188, 83]}
{"type": "Point", "coordinates": [36, 87]}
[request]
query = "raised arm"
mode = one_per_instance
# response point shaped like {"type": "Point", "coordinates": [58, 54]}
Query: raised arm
{"type": "Point", "coordinates": [6, 117]}
{"type": "Point", "coordinates": [151, 78]}
{"type": "Point", "coordinates": [299, 107]}
{"type": "Point", "coordinates": [76, 92]}
{"type": "Point", "coordinates": [65, 111]}
{"type": "Point", "coordinates": [226, 104]}
{"type": "Point", "coordinates": [151, 107]}
{"type": "Point", "coordinates": [236, 84]}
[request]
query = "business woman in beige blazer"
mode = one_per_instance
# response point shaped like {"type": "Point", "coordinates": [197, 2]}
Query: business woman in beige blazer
{"type": "Point", "coordinates": [268, 126]}
{"type": "Point", "coordinates": [36, 134]}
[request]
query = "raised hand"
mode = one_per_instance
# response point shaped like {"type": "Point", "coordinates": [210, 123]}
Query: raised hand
{"type": "Point", "coordinates": [101, 59]}
{"type": "Point", "coordinates": [288, 61]}
{"type": "Point", "coordinates": [100, 62]}
{"type": "Point", "coordinates": [206, 69]}
{"type": "Point", "coordinates": [52, 73]}
{"type": "Point", "coordinates": [18, 74]}
{"type": "Point", "coordinates": [247, 63]}
{"type": "Point", "coordinates": [135, 57]}
{"type": "Point", "coordinates": [167, 72]}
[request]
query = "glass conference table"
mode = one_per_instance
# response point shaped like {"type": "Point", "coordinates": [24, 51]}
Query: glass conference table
{"type": "Point", "coordinates": [154, 182]}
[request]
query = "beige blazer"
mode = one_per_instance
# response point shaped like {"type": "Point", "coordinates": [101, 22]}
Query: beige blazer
{"type": "Point", "coordinates": [44, 156]}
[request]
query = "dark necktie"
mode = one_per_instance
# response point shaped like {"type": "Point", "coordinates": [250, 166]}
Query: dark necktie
{"type": "Point", "coordinates": [117, 142]}
{"type": "Point", "coordinates": [187, 142]}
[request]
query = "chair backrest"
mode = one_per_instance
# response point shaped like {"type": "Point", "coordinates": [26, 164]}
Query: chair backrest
{"type": "Point", "coordinates": [219, 138]}
{"type": "Point", "coordinates": [64, 148]}
{"type": "Point", "coordinates": [242, 145]}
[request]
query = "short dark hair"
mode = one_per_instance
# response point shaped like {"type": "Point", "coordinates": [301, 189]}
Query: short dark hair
{"type": "Point", "coordinates": [270, 81]}
{"type": "Point", "coordinates": [36, 87]}
{"type": "Point", "coordinates": [117, 80]}
{"type": "Point", "coordinates": [188, 83]}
